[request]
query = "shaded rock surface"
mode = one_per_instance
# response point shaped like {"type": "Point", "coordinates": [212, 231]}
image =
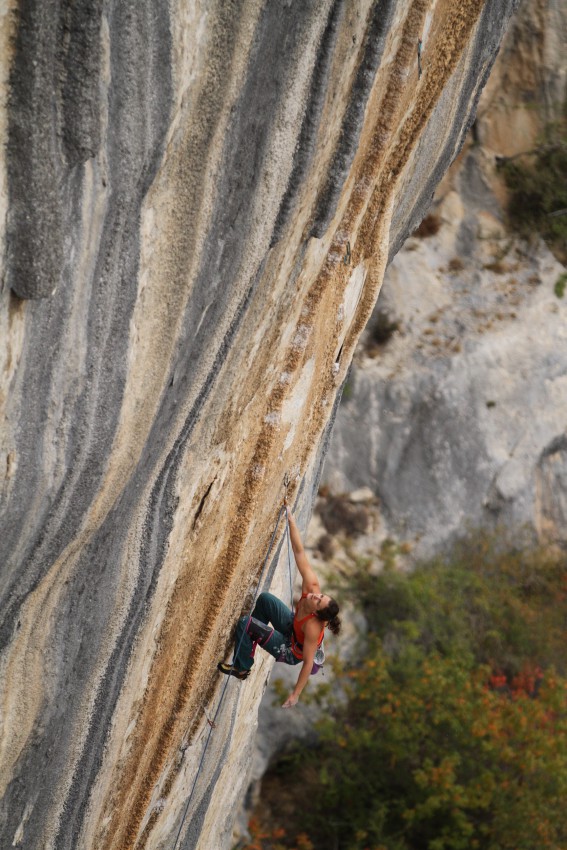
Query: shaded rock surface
{"type": "Point", "coordinates": [200, 200]}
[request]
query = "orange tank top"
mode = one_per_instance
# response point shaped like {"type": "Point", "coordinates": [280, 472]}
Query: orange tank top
{"type": "Point", "coordinates": [298, 635]}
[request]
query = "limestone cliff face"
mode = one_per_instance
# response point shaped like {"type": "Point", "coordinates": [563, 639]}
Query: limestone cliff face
{"type": "Point", "coordinates": [459, 421]}
{"type": "Point", "coordinates": [200, 199]}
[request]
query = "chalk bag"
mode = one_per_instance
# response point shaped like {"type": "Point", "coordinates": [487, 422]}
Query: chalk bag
{"type": "Point", "coordinates": [319, 659]}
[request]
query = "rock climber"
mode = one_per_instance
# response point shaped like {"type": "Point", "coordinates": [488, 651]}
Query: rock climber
{"type": "Point", "coordinates": [293, 638]}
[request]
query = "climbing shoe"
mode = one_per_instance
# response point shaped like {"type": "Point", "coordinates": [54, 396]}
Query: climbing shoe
{"type": "Point", "coordinates": [229, 670]}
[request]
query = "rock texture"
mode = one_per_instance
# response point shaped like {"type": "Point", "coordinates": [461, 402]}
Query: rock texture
{"type": "Point", "coordinates": [458, 421]}
{"type": "Point", "coordinates": [200, 201]}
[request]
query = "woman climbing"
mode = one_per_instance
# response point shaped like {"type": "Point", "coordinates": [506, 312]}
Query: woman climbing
{"type": "Point", "coordinates": [293, 638]}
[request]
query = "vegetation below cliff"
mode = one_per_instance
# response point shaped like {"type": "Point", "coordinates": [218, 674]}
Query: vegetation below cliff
{"type": "Point", "coordinates": [453, 730]}
{"type": "Point", "coordinates": [537, 181]}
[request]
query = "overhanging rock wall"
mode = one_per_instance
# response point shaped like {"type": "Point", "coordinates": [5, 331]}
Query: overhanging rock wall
{"type": "Point", "coordinates": [200, 200]}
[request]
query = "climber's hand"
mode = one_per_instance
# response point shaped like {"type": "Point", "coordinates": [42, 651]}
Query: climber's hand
{"type": "Point", "coordinates": [290, 701]}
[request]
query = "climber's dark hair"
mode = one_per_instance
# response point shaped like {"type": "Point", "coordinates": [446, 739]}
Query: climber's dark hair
{"type": "Point", "coordinates": [329, 615]}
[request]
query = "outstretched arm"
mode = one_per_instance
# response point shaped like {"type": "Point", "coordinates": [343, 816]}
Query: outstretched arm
{"type": "Point", "coordinates": [310, 581]}
{"type": "Point", "coordinates": [309, 649]}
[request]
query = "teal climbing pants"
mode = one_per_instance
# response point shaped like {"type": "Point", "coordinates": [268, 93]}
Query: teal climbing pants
{"type": "Point", "coordinates": [268, 609]}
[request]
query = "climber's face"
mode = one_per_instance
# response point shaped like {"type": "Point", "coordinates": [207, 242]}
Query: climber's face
{"type": "Point", "coordinates": [319, 601]}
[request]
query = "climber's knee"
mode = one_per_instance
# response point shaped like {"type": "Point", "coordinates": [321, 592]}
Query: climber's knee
{"type": "Point", "coordinates": [258, 631]}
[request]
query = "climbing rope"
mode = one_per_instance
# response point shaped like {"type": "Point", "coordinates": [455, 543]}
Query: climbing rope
{"type": "Point", "coordinates": [287, 534]}
{"type": "Point", "coordinates": [212, 723]}
{"type": "Point", "coordinates": [286, 483]}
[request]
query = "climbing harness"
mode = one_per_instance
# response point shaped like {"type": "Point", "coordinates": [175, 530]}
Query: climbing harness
{"type": "Point", "coordinates": [212, 722]}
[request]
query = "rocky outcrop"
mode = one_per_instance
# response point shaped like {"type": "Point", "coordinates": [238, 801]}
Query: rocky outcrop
{"type": "Point", "coordinates": [200, 202]}
{"type": "Point", "coordinates": [458, 420]}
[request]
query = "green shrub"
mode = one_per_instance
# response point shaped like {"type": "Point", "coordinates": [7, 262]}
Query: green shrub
{"type": "Point", "coordinates": [538, 188]}
{"type": "Point", "coordinates": [429, 226]}
{"type": "Point", "coordinates": [339, 515]}
{"type": "Point", "coordinates": [426, 755]}
{"type": "Point", "coordinates": [503, 604]}
{"type": "Point", "coordinates": [382, 329]}
{"type": "Point", "coordinates": [560, 284]}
